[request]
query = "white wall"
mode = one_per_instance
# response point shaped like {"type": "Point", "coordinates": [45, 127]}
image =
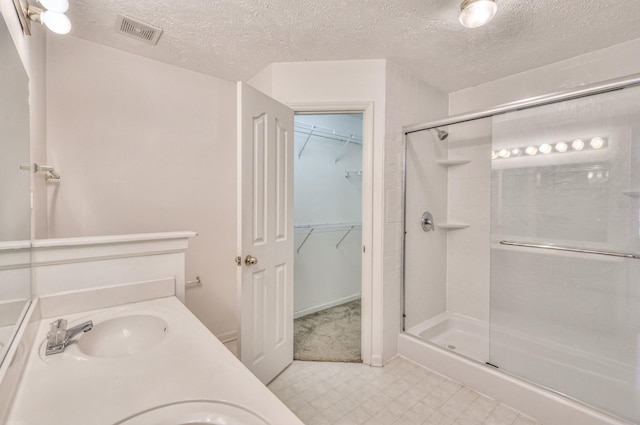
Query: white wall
{"type": "Point", "coordinates": [326, 276]}
{"type": "Point", "coordinates": [142, 146]}
{"type": "Point", "coordinates": [408, 100]}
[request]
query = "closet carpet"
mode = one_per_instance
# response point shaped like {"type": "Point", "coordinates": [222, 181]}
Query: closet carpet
{"type": "Point", "coordinates": [331, 335]}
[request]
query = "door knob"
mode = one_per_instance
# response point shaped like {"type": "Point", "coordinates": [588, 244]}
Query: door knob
{"type": "Point", "coordinates": [250, 260]}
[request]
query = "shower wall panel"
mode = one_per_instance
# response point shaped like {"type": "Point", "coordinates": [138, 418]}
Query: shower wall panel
{"type": "Point", "coordinates": [425, 252]}
{"type": "Point", "coordinates": [469, 201]}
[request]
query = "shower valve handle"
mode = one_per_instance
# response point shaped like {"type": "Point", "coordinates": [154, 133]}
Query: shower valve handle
{"type": "Point", "coordinates": [427, 222]}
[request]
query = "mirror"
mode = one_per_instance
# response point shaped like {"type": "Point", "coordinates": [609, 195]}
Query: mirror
{"type": "Point", "coordinates": [15, 193]}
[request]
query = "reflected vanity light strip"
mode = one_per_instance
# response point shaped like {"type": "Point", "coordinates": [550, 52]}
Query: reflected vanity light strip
{"type": "Point", "coordinates": [576, 145]}
{"type": "Point", "coordinates": [570, 249]}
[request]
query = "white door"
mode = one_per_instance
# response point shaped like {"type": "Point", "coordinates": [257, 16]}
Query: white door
{"type": "Point", "coordinates": [265, 233]}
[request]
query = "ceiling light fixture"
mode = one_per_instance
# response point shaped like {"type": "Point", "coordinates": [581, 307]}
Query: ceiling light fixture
{"type": "Point", "coordinates": [476, 13]}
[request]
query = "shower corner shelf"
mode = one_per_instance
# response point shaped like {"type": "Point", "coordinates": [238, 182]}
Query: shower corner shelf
{"type": "Point", "coordinates": [452, 226]}
{"type": "Point", "coordinates": [632, 193]}
{"type": "Point", "coordinates": [452, 162]}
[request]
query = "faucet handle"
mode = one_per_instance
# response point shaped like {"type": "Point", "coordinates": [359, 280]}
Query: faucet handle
{"type": "Point", "coordinates": [57, 332]}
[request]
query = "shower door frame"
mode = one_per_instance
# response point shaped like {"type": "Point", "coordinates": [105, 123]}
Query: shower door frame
{"type": "Point", "coordinates": [584, 91]}
{"type": "Point", "coordinates": [549, 99]}
{"type": "Point", "coordinates": [581, 92]}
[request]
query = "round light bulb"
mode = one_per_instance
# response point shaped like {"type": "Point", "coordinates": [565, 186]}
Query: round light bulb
{"type": "Point", "coordinates": [59, 6]}
{"type": "Point", "coordinates": [56, 22]}
{"type": "Point", "coordinates": [531, 150]}
{"type": "Point", "coordinates": [476, 13]}
{"type": "Point", "coordinates": [596, 142]}
{"type": "Point", "coordinates": [577, 145]}
{"type": "Point", "coordinates": [516, 152]}
{"type": "Point", "coordinates": [561, 147]}
{"type": "Point", "coordinates": [504, 153]}
{"type": "Point", "coordinates": [494, 155]}
{"type": "Point", "coordinates": [545, 148]}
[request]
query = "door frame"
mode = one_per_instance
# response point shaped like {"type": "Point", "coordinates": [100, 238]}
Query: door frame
{"type": "Point", "coordinates": [366, 109]}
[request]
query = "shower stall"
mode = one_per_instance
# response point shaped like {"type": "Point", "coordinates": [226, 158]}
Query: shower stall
{"type": "Point", "coordinates": [522, 242]}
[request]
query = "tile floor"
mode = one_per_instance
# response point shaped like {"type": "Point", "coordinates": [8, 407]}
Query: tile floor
{"type": "Point", "coordinates": [401, 393]}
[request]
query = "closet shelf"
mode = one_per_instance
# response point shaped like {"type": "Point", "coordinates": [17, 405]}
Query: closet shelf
{"type": "Point", "coordinates": [326, 226]}
{"type": "Point", "coordinates": [452, 162]}
{"type": "Point", "coordinates": [452, 226]}
{"type": "Point", "coordinates": [325, 133]}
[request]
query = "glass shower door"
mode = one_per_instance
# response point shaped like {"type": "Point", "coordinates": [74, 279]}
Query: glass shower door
{"type": "Point", "coordinates": [565, 298]}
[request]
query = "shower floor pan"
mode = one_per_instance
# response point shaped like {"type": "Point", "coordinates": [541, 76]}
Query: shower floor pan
{"type": "Point", "coordinates": [458, 333]}
{"type": "Point", "coordinates": [596, 380]}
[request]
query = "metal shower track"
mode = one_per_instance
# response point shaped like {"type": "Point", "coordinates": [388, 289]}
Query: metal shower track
{"type": "Point", "coordinates": [584, 91]}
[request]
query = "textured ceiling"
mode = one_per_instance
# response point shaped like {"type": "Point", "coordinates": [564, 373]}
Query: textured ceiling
{"type": "Point", "coordinates": [236, 39]}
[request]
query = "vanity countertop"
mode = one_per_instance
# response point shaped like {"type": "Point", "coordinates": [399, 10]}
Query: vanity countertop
{"type": "Point", "coordinates": [188, 364]}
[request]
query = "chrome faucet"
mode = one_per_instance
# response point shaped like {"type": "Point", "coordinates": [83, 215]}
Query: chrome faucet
{"type": "Point", "coordinates": [59, 336]}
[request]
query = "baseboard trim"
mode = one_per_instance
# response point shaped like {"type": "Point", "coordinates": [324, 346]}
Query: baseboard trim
{"type": "Point", "coordinates": [227, 336]}
{"type": "Point", "coordinates": [311, 310]}
{"type": "Point", "coordinates": [376, 361]}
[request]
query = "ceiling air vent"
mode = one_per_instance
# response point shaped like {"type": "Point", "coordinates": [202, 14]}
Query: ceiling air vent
{"type": "Point", "coordinates": [138, 29]}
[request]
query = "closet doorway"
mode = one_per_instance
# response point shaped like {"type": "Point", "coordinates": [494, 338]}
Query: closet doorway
{"type": "Point", "coordinates": [328, 176]}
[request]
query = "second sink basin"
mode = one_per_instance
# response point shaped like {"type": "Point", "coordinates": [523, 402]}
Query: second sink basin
{"type": "Point", "coordinates": [123, 336]}
{"type": "Point", "coordinates": [196, 412]}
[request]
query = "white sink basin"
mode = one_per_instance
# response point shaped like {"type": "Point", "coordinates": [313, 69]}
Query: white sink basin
{"type": "Point", "coordinates": [207, 412]}
{"type": "Point", "coordinates": [123, 336]}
